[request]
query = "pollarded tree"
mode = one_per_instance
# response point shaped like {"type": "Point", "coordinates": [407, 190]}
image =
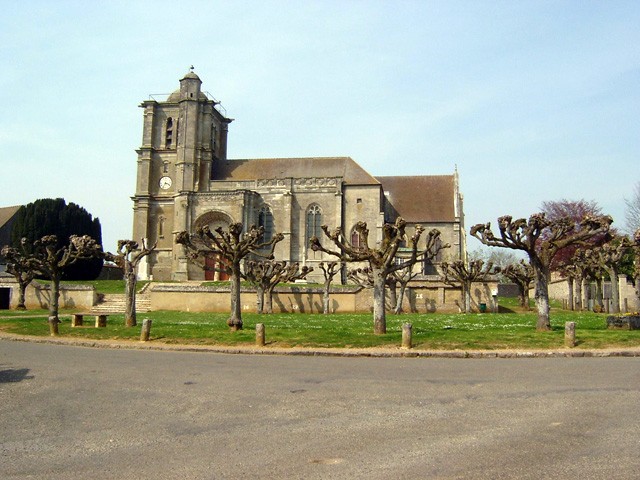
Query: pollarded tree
{"type": "Point", "coordinates": [260, 275]}
{"type": "Point", "coordinates": [381, 258]}
{"type": "Point", "coordinates": [363, 277]}
{"type": "Point", "coordinates": [610, 256]}
{"type": "Point", "coordinates": [51, 260]}
{"type": "Point", "coordinates": [578, 270]}
{"type": "Point", "coordinates": [522, 275]}
{"type": "Point", "coordinates": [288, 274]}
{"type": "Point", "coordinates": [636, 271]}
{"type": "Point", "coordinates": [266, 275]}
{"type": "Point", "coordinates": [20, 266]}
{"type": "Point", "coordinates": [465, 274]}
{"type": "Point", "coordinates": [127, 258]}
{"type": "Point", "coordinates": [402, 278]}
{"type": "Point", "coordinates": [329, 271]}
{"type": "Point", "coordinates": [526, 235]}
{"type": "Point", "coordinates": [230, 246]}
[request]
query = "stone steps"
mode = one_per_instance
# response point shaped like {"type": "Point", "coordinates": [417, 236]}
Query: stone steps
{"type": "Point", "coordinates": [115, 303]}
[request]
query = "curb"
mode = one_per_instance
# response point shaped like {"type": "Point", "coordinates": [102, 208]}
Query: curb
{"type": "Point", "coordinates": [326, 352]}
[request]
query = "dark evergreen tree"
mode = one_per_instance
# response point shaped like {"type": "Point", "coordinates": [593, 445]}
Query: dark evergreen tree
{"type": "Point", "coordinates": [48, 216]}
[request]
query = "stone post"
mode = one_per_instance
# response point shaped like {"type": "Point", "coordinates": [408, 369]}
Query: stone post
{"type": "Point", "coordinates": [570, 334]}
{"type": "Point", "coordinates": [260, 335]}
{"type": "Point", "coordinates": [146, 330]}
{"type": "Point", "coordinates": [101, 321]}
{"type": "Point", "coordinates": [76, 320]}
{"type": "Point", "coordinates": [406, 335]}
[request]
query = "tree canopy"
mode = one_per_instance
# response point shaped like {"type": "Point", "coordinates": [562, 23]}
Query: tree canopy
{"type": "Point", "coordinates": [48, 216]}
{"type": "Point", "coordinates": [541, 239]}
{"type": "Point", "coordinates": [632, 214]}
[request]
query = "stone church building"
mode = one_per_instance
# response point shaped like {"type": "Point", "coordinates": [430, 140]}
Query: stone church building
{"type": "Point", "coordinates": [185, 180]}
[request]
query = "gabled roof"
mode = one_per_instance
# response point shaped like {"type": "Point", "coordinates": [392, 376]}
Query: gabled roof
{"type": "Point", "coordinates": [252, 169]}
{"type": "Point", "coordinates": [428, 198]}
{"type": "Point", "coordinates": [7, 213]}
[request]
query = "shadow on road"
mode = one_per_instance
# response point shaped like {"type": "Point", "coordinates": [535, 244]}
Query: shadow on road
{"type": "Point", "coordinates": [14, 375]}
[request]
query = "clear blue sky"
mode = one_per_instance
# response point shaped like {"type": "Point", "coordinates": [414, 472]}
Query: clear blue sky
{"type": "Point", "coordinates": [532, 100]}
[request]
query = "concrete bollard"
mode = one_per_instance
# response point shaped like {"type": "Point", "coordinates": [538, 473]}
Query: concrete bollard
{"type": "Point", "coordinates": [260, 335]}
{"type": "Point", "coordinates": [145, 332]}
{"type": "Point", "coordinates": [570, 334]}
{"type": "Point", "coordinates": [406, 335]}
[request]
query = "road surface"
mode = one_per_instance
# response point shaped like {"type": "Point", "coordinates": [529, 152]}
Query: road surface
{"type": "Point", "coordinates": [79, 413]}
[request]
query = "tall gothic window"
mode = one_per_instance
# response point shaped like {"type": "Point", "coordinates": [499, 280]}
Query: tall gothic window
{"type": "Point", "coordinates": [168, 137]}
{"type": "Point", "coordinates": [161, 227]}
{"type": "Point", "coordinates": [314, 222]}
{"type": "Point", "coordinates": [265, 219]}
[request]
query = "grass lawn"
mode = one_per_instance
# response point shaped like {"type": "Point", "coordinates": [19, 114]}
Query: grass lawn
{"type": "Point", "coordinates": [437, 331]}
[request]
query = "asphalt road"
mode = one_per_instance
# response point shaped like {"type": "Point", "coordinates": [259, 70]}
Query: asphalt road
{"type": "Point", "coordinates": [79, 413]}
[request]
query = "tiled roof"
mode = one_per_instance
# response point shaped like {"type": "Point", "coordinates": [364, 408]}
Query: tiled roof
{"type": "Point", "coordinates": [264, 168]}
{"type": "Point", "coordinates": [418, 199]}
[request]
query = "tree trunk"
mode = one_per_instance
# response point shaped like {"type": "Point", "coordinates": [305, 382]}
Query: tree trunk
{"type": "Point", "coordinates": [22, 295]}
{"type": "Point", "coordinates": [466, 287]}
{"type": "Point", "coordinates": [259, 299]}
{"type": "Point", "coordinates": [400, 300]}
{"type": "Point", "coordinates": [586, 290]}
{"type": "Point", "coordinates": [270, 300]}
{"type": "Point", "coordinates": [570, 287]}
{"type": "Point", "coordinates": [615, 290]}
{"type": "Point", "coordinates": [53, 305]}
{"type": "Point", "coordinates": [393, 294]}
{"type": "Point", "coordinates": [599, 295]}
{"type": "Point", "coordinates": [526, 298]}
{"type": "Point", "coordinates": [379, 314]}
{"type": "Point", "coordinates": [542, 295]}
{"type": "Point", "coordinates": [130, 298]}
{"type": "Point", "coordinates": [325, 300]}
{"type": "Point", "coordinates": [579, 294]}
{"type": "Point", "coordinates": [521, 295]}
{"type": "Point", "coordinates": [235, 320]}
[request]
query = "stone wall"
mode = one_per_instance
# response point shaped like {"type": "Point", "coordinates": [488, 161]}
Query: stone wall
{"type": "Point", "coordinates": [559, 290]}
{"type": "Point", "coordinates": [424, 298]}
{"type": "Point", "coordinates": [38, 295]}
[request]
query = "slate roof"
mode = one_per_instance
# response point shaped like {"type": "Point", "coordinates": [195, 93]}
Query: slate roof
{"type": "Point", "coordinates": [265, 168]}
{"type": "Point", "coordinates": [427, 198]}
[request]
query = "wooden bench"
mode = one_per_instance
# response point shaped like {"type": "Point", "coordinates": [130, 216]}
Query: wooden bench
{"type": "Point", "coordinates": [77, 319]}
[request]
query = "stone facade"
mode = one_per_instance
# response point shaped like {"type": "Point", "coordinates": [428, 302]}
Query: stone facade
{"type": "Point", "coordinates": [184, 180]}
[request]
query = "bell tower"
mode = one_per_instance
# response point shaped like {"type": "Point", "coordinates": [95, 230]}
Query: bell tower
{"type": "Point", "coordinates": [182, 138]}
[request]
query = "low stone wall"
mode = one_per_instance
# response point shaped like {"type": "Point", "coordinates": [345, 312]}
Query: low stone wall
{"type": "Point", "coordinates": [559, 290]}
{"type": "Point", "coordinates": [421, 298]}
{"type": "Point", "coordinates": [38, 295]}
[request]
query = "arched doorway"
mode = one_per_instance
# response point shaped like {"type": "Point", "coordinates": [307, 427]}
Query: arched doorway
{"type": "Point", "coordinates": [214, 268]}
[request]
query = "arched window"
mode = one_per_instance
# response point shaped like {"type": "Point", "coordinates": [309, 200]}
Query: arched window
{"type": "Point", "coordinates": [314, 222]}
{"type": "Point", "coordinates": [168, 136]}
{"type": "Point", "coordinates": [355, 239]}
{"type": "Point", "coordinates": [428, 266]}
{"type": "Point", "coordinates": [265, 219]}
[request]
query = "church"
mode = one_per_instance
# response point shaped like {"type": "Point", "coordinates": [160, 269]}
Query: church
{"type": "Point", "coordinates": [185, 181]}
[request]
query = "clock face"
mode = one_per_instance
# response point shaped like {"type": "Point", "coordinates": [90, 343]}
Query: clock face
{"type": "Point", "coordinates": [165, 183]}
